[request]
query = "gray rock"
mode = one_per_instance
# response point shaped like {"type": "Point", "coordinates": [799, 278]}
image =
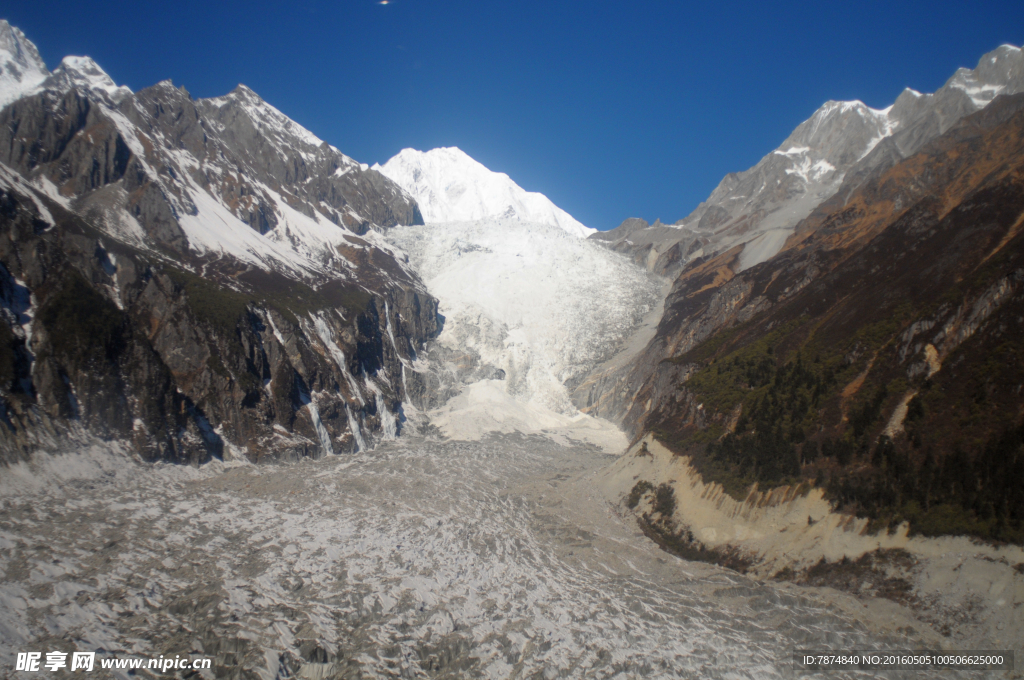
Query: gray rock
{"type": "Point", "coordinates": [142, 335]}
{"type": "Point", "coordinates": [831, 153]}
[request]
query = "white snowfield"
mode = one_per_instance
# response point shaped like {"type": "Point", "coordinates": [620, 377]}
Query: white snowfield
{"type": "Point", "coordinates": [452, 187]}
{"type": "Point", "coordinates": [21, 67]}
{"type": "Point", "coordinates": [534, 301]}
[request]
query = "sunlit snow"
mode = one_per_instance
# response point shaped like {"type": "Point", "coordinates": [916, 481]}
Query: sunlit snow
{"type": "Point", "coordinates": [21, 67]}
{"type": "Point", "coordinates": [532, 300]}
{"type": "Point", "coordinates": [450, 187]}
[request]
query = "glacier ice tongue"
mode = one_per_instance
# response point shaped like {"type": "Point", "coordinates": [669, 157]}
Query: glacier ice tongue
{"type": "Point", "coordinates": [452, 559]}
{"type": "Point", "coordinates": [533, 301]}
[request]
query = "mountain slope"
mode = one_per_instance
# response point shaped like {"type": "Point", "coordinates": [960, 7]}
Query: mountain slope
{"type": "Point", "coordinates": [196, 277]}
{"type": "Point", "coordinates": [751, 215]}
{"type": "Point", "coordinates": [449, 186]}
{"type": "Point", "coordinates": [830, 153]}
{"type": "Point", "coordinates": [876, 356]}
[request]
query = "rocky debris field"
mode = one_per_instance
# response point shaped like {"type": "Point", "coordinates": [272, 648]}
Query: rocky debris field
{"type": "Point", "coordinates": [425, 558]}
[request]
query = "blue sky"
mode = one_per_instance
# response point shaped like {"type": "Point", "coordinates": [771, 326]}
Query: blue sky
{"type": "Point", "coordinates": [612, 109]}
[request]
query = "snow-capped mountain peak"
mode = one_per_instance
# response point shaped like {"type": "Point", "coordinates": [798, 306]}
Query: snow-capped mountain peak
{"type": "Point", "coordinates": [450, 186]}
{"type": "Point", "coordinates": [761, 206]}
{"type": "Point", "coordinates": [21, 67]}
{"type": "Point", "coordinates": [998, 69]}
{"type": "Point", "coordinates": [86, 75]}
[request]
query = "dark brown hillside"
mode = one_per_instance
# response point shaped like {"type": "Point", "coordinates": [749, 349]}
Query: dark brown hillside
{"type": "Point", "coordinates": [880, 355]}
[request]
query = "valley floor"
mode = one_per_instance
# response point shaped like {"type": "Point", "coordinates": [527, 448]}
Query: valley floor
{"type": "Point", "coordinates": [424, 558]}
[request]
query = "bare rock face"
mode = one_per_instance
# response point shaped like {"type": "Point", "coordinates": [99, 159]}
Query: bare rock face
{"type": "Point", "coordinates": [200, 278]}
{"type": "Point", "coordinates": [266, 141]}
{"type": "Point", "coordinates": [662, 249]}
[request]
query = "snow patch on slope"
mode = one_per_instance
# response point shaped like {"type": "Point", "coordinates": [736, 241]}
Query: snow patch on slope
{"type": "Point", "coordinates": [301, 246]}
{"type": "Point", "coordinates": [213, 230]}
{"type": "Point", "coordinates": [450, 186]}
{"type": "Point", "coordinates": [85, 75]}
{"type": "Point", "coordinates": [21, 67]}
{"type": "Point", "coordinates": [999, 74]}
{"type": "Point", "coordinates": [810, 171]}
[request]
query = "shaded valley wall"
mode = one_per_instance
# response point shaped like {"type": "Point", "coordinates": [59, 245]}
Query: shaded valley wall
{"type": "Point", "coordinates": [101, 340]}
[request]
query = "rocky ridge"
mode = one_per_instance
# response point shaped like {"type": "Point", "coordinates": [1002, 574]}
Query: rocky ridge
{"type": "Point", "coordinates": [750, 216]}
{"type": "Point", "coordinates": [832, 152]}
{"type": "Point", "coordinates": [199, 277]}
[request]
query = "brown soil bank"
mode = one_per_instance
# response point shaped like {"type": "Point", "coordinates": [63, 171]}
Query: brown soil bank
{"type": "Point", "coordinates": [969, 593]}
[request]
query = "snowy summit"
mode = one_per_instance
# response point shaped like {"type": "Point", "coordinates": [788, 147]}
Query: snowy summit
{"type": "Point", "coordinates": [452, 187]}
{"type": "Point", "coordinates": [21, 67]}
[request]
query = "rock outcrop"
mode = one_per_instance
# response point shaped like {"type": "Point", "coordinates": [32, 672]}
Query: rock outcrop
{"type": "Point", "coordinates": [198, 277]}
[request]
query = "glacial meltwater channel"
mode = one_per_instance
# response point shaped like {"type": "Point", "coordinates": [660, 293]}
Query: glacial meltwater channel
{"type": "Point", "coordinates": [420, 559]}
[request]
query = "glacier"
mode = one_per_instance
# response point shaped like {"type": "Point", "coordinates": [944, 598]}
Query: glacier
{"type": "Point", "coordinates": [476, 545]}
{"type": "Point", "coordinates": [534, 301]}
